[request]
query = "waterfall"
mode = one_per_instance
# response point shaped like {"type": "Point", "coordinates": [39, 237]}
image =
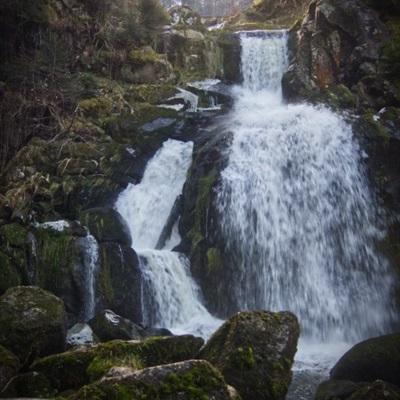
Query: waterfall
{"type": "Point", "coordinates": [90, 260]}
{"type": "Point", "coordinates": [171, 298]}
{"type": "Point", "coordinates": [296, 211]}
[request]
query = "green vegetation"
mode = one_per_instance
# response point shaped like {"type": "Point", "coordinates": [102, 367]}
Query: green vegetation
{"type": "Point", "coordinates": [205, 187]}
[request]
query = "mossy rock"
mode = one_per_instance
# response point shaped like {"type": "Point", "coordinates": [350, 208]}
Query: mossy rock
{"type": "Point", "coordinates": [339, 97]}
{"type": "Point", "coordinates": [231, 56]}
{"type": "Point", "coordinates": [146, 66]}
{"type": "Point", "coordinates": [106, 225]}
{"type": "Point", "coordinates": [200, 231]}
{"type": "Point", "coordinates": [30, 384]}
{"type": "Point", "coordinates": [151, 94]}
{"type": "Point", "coordinates": [188, 380]}
{"type": "Point", "coordinates": [336, 389]}
{"type": "Point", "coordinates": [109, 326]}
{"type": "Point", "coordinates": [97, 107]}
{"type": "Point", "coordinates": [60, 266]}
{"type": "Point", "coordinates": [373, 359]}
{"type": "Point", "coordinates": [347, 390]}
{"type": "Point", "coordinates": [9, 366]}
{"type": "Point", "coordinates": [255, 352]}
{"type": "Point", "coordinates": [119, 281]}
{"type": "Point", "coordinates": [73, 369]}
{"type": "Point", "coordinates": [31, 322]}
{"type": "Point", "coordinates": [15, 235]}
{"type": "Point", "coordinates": [377, 391]}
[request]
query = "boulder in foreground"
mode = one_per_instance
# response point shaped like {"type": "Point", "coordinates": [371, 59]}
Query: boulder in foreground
{"type": "Point", "coordinates": [255, 351]}
{"type": "Point", "coordinates": [373, 359]}
{"type": "Point", "coordinates": [73, 369]}
{"type": "Point", "coordinates": [187, 380]}
{"type": "Point", "coordinates": [31, 322]}
{"type": "Point", "coordinates": [346, 390]}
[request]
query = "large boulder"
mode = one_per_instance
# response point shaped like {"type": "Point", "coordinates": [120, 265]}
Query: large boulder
{"type": "Point", "coordinates": [31, 322]}
{"type": "Point", "coordinates": [187, 380]}
{"type": "Point", "coordinates": [75, 368]}
{"type": "Point", "coordinates": [255, 351]}
{"type": "Point", "coordinates": [9, 366]}
{"type": "Point", "coordinates": [109, 326]}
{"type": "Point", "coordinates": [106, 225]}
{"type": "Point", "coordinates": [346, 390]}
{"type": "Point", "coordinates": [373, 359]}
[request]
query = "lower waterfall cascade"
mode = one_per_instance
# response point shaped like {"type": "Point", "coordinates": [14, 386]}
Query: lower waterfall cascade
{"type": "Point", "coordinates": [171, 299]}
{"type": "Point", "coordinates": [296, 214]}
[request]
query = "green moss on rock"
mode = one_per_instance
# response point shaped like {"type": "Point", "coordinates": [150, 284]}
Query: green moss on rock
{"type": "Point", "coordinates": [106, 225]}
{"type": "Point", "coordinates": [97, 107]}
{"type": "Point", "coordinates": [57, 256]}
{"type": "Point", "coordinates": [376, 128]}
{"type": "Point", "coordinates": [73, 369]}
{"type": "Point", "coordinates": [214, 259]}
{"type": "Point", "coordinates": [205, 186]}
{"type": "Point", "coordinates": [255, 351]}
{"type": "Point", "coordinates": [188, 380]}
{"type": "Point", "coordinates": [31, 322]}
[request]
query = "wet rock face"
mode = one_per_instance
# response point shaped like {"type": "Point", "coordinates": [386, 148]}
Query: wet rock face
{"type": "Point", "coordinates": [31, 322]}
{"type": "Point", "coordinates": [373, 359]}
{"type": "Point", "coordinates": [109, 326]}
{"type": "Point", "coordinates": [255, 351]}
{"type": "Point", "coordinates": [118, 284]}
{"type": "Point", "coordinates": [231, 56]}
{"type": "Point", "coordinates": [338, 42]}
{"type": "Point", "coordinates": [194, 379]}
{"type": "Point", "coordinates": [198, 225]}
{"type": "Point", "coordinates": [106, 225]}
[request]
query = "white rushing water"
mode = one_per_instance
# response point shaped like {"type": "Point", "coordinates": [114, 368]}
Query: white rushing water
{"type": "Point", "coordinates": [171, 298]}
{"type": "Point", "coordinates": [91, 263]}
{"type": "Point", "coordinates": [297, 213]}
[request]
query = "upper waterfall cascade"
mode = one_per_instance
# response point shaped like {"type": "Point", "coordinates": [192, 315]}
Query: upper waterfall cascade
{"type": "Point", "coordinates": [296, 210]}
{"type": "Point", "coordinates": [171, 298]}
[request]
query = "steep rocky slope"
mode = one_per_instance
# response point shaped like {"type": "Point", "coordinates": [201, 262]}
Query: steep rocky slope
{"type": "Point", "coordinates": [80, 89]}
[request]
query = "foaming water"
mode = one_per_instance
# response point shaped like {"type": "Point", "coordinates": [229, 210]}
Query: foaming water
{"type": "Point", "coordinates": [171, 299]}
{"type": "Point", "coordinates": [298, 216]}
